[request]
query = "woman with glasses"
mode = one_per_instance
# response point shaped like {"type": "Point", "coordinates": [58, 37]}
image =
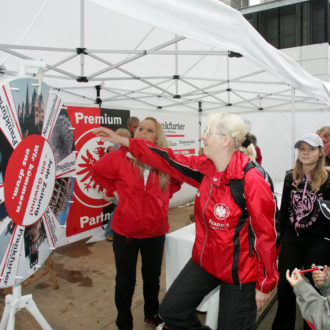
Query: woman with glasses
{"type": "Point", "coordinates": [305, 234]}
{"type": "Point", "coordinates": [221, 254]}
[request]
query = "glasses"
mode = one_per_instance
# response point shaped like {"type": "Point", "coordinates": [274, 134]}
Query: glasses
{"type": "Point", "coordinates": [208, 133]}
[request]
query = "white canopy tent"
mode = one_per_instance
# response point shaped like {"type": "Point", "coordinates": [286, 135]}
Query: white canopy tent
{"type": "Point", "coordinates": [85, 45]}
{"type": "Point", "coordinates": [163, 55]}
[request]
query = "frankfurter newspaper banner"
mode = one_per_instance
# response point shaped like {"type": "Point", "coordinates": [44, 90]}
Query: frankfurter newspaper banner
{"type": "Point", "coordinates": [180, 135]}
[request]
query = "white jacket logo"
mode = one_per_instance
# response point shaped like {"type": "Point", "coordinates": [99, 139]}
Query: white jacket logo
{"type": "Point", "coordinates": [221, 211]}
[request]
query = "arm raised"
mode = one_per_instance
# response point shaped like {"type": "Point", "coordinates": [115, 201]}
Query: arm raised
{"type": "Point", "coordinates": [107, 134]}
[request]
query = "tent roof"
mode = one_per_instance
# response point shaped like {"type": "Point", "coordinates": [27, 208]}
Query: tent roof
{"type": "Point", "coordinates": [176, 55]}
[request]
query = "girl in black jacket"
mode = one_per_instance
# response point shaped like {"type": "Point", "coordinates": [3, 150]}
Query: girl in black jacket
{"type": "Point", "coordinates": [305, 232]}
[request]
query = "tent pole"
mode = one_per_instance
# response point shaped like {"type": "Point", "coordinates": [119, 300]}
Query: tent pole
{"type": "Point", "coordinates": [82, 36]}
{"type": "Point", "coordinates": [176, 67]}
{"type": "Point", "coordinates": [293, 125]}
{"type": "Point", "coordinates": [200, 110]}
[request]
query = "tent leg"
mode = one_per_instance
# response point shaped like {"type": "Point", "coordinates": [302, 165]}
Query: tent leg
{"type": "Point", "coordinates": [14, 303]}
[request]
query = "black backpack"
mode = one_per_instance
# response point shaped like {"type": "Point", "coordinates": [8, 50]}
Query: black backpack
{"type": "Point", "coordinates": [237, 191]}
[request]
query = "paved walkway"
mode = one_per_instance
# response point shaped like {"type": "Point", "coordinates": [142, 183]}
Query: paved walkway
{"type": "Point", "coordinates": [85, 297]}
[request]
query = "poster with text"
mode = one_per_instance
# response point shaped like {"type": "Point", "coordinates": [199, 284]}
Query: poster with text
{"type": "Point", "coordinates": [28, 175]}
{"type": "Point", "coordinates": [88, 209]}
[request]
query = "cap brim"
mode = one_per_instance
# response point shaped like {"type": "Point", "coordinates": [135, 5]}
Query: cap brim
{"type": "Point", "coordinates": [298, 143]}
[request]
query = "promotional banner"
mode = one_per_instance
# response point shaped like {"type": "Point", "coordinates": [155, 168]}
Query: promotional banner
{"type": "Point", "coordinates": [28, 113]}
{"type": "Point", "coordinates": [88, 209]}
{"type": "Point", "coordinates": [180, 136]}
{"type": "Point", "coordinates": [47, 195]}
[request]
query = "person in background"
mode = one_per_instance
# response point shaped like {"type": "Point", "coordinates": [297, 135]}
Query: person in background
{"type": "Point", "coordinates": [305, 233]}
{"type": "Point", "coordinates": [114, 199]}
{"type": "Point", "coordinates": [132, 124]}
{"type": "Point", "coordinates": [140, 222]}
{"type": "Point", "coordinates": [253, 139]}
{"type": "Point", "coordinates": [221, 253]}
{"type": "Point", "coordinates": [324, 134]}
{"type": "Point", "coordinates": [315, 308]}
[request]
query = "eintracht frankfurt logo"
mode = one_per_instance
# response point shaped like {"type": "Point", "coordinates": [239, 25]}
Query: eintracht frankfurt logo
{"type": "Point", "coordinates": [90, 149]}
{"type": "Point", "coordinates": [221, 211]}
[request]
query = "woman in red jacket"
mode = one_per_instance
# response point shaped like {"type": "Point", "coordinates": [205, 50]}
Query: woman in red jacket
{"type": "Point", "coordinates": [139, 223]}
{"type": "Point", "coordinates": [221, 254]}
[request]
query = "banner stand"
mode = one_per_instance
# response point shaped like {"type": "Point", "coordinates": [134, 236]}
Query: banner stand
{"type": "Point", "coordinates": [14, 303]}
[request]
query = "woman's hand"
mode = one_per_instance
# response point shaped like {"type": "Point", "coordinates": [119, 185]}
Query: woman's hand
{"type": "Point", "coordinates": [262, 298]}
{"type": "Point", "coordinates": [294, 278]}
{"type": "Point", "coordinates": [106, 197]}
{"type": "Point", "coordinates": [319, 276]}
{"type": "Point", "coordinates": [109, 135]}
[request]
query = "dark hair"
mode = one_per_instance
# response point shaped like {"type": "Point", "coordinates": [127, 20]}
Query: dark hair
{"type": "Point", "coordinates": [252, 138]}
{"type": "Point", "coordinates": [246, 142]}
{"type": "Point", "coordinates": [131, 120]}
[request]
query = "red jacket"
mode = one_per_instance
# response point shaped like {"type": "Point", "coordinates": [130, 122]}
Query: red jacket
{"type": "Point", "coordinates": [142, 209]}
{"type": "Point", "coordinates": [220, 247]}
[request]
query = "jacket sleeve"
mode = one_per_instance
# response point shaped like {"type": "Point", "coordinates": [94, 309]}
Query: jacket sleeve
{"type": "Point", "coordinates": [104, 173]}
{"type": "Point", "coordinates": [180, 167]}
{"type": "Point", "coordinates": [261, 207]}
{"type": "Point", "coordinates": [175, 185]}
{"type": "Point", "coordinates": [314, 308]}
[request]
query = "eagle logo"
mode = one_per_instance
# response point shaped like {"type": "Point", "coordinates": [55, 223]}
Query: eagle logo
{"type": "Point", "coordinates": [221, 211]}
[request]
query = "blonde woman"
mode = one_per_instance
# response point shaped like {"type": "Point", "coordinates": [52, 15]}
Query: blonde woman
{"type": "Point", "coordinates": [139, 223]}
{"type": "Point", "coordinates": [305, 232]}
{"type": "Point", "coordinates": [221, 254]}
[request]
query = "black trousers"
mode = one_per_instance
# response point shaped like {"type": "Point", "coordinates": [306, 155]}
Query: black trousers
{"type": "Point", "coordinates": [126, 253]}
{"type": "Point", "coordinates": [300, 252]}
{"type": "Point", "coordinates": [178, 309]}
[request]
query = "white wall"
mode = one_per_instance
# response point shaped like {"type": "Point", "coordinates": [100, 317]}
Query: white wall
{"type": "Point", "coordinates": [273, 131]}
{"type": "Point", "coordinates": [315, 59]}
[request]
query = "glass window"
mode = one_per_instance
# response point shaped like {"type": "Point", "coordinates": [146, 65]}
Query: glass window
{"type": "Point", "coordinates": [269, 27]}
{"type": "Point", "coordinates": [289, 27]}
{"type": "Point", "coordinates": [304, 23]}
{"type": "Point", "coordinates": [318, 21]}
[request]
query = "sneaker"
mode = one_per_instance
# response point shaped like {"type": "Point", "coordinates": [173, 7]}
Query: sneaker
{"type": "Point", "coordinates": [163, 326]}
{"type": "Point", "coordinates": [153, 322]}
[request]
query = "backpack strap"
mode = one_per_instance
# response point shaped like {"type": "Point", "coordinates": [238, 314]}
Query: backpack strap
{"type": "Point", "coordinates": [237, 190]}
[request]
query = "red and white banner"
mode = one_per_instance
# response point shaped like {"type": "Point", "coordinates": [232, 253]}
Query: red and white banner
{"type": "Point", "coordinates": [89, 210]}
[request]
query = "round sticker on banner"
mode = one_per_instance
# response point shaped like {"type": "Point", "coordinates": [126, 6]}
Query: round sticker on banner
{"type": "Point", "coordinates": [29, 180]}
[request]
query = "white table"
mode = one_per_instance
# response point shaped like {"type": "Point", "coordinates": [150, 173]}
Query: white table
{"type": "Point", "coordinates": [178, 247]}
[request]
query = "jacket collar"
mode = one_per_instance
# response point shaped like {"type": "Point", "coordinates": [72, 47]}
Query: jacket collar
{"type": "Point", "coordinates": [234, 170]}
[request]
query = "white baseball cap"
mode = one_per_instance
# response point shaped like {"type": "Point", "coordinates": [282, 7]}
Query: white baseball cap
{"type": "Point", "coordinates": [310, 138]}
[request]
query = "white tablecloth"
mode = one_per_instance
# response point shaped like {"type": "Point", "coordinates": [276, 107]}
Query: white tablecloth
{"type": "Point", "coordinates": [178, 247]}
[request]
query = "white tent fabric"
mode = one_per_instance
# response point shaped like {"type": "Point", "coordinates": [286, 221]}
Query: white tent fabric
{"type": "Point", "coordinates": [158, 54]}
{"type": "Point", "coordinates": [214, 23]}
